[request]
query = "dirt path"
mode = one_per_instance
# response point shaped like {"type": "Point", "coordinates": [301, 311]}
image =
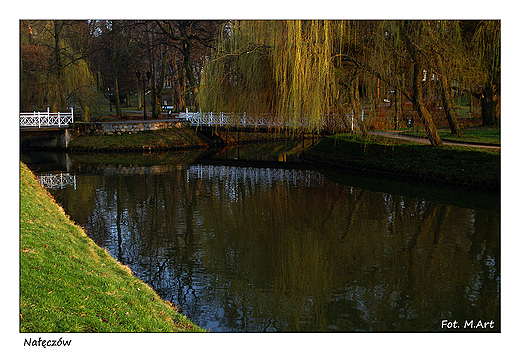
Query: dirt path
{"type": "Point", "coordinates": [396, 134]}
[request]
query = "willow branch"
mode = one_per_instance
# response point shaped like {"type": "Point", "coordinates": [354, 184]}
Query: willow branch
{"type": "Point", "coordinates": [375, 73]}
{"type": "Point", "coordinates": [246, 49]}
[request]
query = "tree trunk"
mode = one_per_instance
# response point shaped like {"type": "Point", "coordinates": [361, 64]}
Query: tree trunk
{"type": "Point", "coordinates": [139, 97]}
{"type": "Point", "coordinates": [182, 92]}
{"type": "Point", "coordinates": [157, 111]}
{"type": "Point", "coordinates": [398, 104]}
{"type": "Point", "coordinates": [447, 98]}
{"type": "Point", "coordinates": [417, 97]}
{"type": "Point", "coordinates": [398, 108]}
{"type": "Point", "coordinates": [488, 101]}
{"type": "Point", "coordinates": [156, 101]}
{"type": "Point", "coordinates": [356, 104]}
{"type": "Point", "coordinates": [116, 97]}
{"type": "Point", "coordinates": [59, 104]}
{"type": "Point", "coordinates": [153, 103]}
{"type": "Point", "coordinates": [86, 112]}
{"type": "Point", "coordinates": [176, 94]}
{"type": "Point", "coordinates": [424, 114]}
{"type": "Point", "coordinates": [158, 87]}
{"type": "Point", "coordinates": [188, 73]}
{"type": "Point", "coordinates": [114, 67]}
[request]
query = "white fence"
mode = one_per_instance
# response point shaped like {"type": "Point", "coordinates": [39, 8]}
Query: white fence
{"type": "Point", "coordinates": [57, 180]}
{"type": "Point", "coordinates": [46, 119]}
{"type": "Point", "coordinates": [267, 121]}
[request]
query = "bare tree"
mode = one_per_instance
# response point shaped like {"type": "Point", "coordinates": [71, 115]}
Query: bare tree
{"type": "Point", "coordinates": [192, 40]}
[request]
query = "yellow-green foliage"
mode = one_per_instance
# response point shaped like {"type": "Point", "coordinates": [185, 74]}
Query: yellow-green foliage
{"type": "Point", "coordinates": [63, 75]}
{"type": "Point", "coordinates": [279, 67]}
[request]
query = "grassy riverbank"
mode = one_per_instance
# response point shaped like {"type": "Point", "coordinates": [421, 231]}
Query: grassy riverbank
{"type": "Point", "coordinates": [177, 138]}
{"type": "Point", "coordinates": [448, 164]}
{"type": "Point", "coordinates": [169, 139]}
{"type": "Point", "coordinates": [69, 284]}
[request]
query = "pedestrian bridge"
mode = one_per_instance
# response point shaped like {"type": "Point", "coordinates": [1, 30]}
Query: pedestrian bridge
{"type": "Point", "coordinates": [46, 119]}
{"type": "Point", "coordinates": [46, 129]}
{"type": "Point", "coordinates": [266, 121]}
{"type": "Point", "coordinates": [331, 122]}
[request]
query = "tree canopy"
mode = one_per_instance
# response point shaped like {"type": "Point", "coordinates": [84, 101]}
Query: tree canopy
{"type": "Point", "coordinates": [88, 62]}
{"type": "Point", "coordinates": [316, 68]}
{"type": "Point", "coordinates": [291, 69]}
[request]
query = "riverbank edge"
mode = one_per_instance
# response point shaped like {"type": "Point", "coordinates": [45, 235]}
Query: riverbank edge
{"type": "Point", "coordinates": [169, 139]}
{"type": "Point", "coordinates": [457, 166]}
{"type": "Point", "coordinates": [70, 284]}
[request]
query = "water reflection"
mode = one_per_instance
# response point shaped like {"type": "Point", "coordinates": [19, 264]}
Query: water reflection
{"type": "Point", "coordinates": [244, 249]}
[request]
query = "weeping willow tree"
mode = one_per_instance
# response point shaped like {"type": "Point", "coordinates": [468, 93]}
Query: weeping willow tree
{"type": "Point", "coordinates": [62, 76]}
{"type": "Point", "coordinates": [281, 68]}
{"type": "Point", "coordinates": [394, 55]}
{"type": "Point", "coordinates": [487, 55]}
{"type": "Point", "coordinates": [310, 69]}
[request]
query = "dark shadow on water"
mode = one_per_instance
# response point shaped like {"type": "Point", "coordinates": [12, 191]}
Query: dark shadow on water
{"type": "Point", "coordinates": [477, 199]}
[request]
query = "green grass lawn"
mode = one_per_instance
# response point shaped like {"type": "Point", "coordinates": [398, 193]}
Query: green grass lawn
{"type": "Point", "coordinates": [475, 135]}
{"type": "Point", "coordinates": [69, 284]}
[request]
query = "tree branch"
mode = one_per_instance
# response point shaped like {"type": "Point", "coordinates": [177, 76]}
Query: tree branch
{"type": "Point", "coordinates": [375, 73]}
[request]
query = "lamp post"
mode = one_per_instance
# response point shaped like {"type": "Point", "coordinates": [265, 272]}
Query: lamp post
{"type": "Point", "coordinates": [109, 98]}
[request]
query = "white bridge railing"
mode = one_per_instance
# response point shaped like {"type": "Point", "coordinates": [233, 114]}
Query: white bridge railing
{"type": "Point", "coordinates": [57, 180]}
{"type": "Point", "coordinates": [46, 119]}
{"type": "Point", "coordinates": [267, 121]}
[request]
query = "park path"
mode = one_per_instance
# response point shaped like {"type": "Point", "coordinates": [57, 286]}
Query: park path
{"type": "Point", "coordinates": [398, 135]}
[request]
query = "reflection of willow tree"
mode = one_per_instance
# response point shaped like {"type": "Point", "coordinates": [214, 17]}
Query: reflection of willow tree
{"type": "Point", "coordinates": [446, 254]}
{"type": "Point", "coordinates": [279, 257]}
{"type": "Point", "coordinates": [484, 289]}
{"type": "Point", "coordinates": [415, 257]}
{"type": "Point", "coordinates": [262, 240]}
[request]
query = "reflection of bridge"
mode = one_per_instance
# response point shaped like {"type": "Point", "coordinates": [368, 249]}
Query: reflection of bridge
{"type": "Point", "coordinates": [57, 180]}
{"type": "Point", "coordinates": [266, 121]}
{"type": "Point", "coordinates": [264, 176]}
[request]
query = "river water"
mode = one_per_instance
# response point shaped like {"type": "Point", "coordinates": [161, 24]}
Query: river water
{"type": "Point", "coordinates": [249, 240]}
